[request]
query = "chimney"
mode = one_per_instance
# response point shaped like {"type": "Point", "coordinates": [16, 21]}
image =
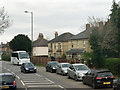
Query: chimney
{"type": "Point", "coordinates": [100, 25]}
{"type": "Point", "coordinates": [87, 26]}
{"type": "Point", "coordinates": [56, 34]}
{"type": "Point", "coordinates": [40, 36]}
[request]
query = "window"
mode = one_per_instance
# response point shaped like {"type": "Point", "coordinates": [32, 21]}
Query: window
{"type": "Point", "coordinates": [83, 43]}
{"type": "Point", "coordinates": [72, 44]}
{"type": "Point", "coordinates": [59, 45]}
{"type": "Point", "coordinates": [50, 46]}
{"type": "Point", "coordinates": [58, 54]}
{"type": "Point", "coordinates": [55, 46]}
{"type": "Point", "coordinates": [77, 44]}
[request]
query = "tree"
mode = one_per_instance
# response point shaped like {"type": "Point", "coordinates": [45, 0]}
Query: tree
{"type": "Point", "coordinates": [4, 20]}
{"type": "Point", "coordinates": [94, 41]}
{"type": "Point", "coordinates": [20, 42]}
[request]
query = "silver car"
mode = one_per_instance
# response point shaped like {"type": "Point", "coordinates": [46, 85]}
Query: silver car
{"type": "Point", "coordinates": [77, 71]}
{"type": "Point", "coordinates": [62, 68]}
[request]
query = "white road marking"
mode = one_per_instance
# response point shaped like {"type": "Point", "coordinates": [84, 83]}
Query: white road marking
{"type": "Point", "coordinates": [12, 72]}
{"type": "Point", "coordinates": [43, 86]}
{"type": "Point", "coordinates": [8, 69]}
{"type": "Point", "coordinates": [38, 83]}
{"type": "Point", "coordinates": [17, 77]}
{"type": "Point", "coordinates": [22, 83]}
{"type": "Point", "coordinates": [49, 80]}
{"type": "Point", "coordinates": [38, 75]}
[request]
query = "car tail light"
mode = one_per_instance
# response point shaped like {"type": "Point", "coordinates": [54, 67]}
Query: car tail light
{"type": "Point", "coordinates": [112, 77]}
{"type": "Point", "coordinates": [98, 77]}
{"type": "Point", "coordinates": [14, 83]}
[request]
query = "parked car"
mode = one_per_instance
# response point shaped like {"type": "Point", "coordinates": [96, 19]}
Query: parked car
{"type": "Point", "coordinates": [77, 71]}
{"type": "Point", "coordinates": [7, 81]}
{"type": "Point", "coordinates": [62, 68]}
{"type": "Point", "coordinates": [28, 67]}
{"type": "Point", "coordinates": [97, 78]}
{"type": "Point", "coordinates": [51, 66]}
{"type": "Point", "coordinates": [116, 84]}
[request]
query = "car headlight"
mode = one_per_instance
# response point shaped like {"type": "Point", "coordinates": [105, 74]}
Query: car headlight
{"type": "Point", "coordinates": [26, 68]}
{"type": "Point", "coordinates": [34, 67]}
{"type": "Point", "coordinates": [79, 74]}
{"type": "Point", "coordinates": [54, 68]}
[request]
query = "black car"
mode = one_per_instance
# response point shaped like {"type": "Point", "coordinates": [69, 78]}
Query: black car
{"type": "Point", "coordinates": [28, 67]}
{"type": "Point", "coordinates": [116, 84]}
{"type": "Point", "coordinates": [7, 81]}
{"type": "Point", "coordinates": [51, 66]}
{"type": "Point", "coordinates": [97, 78]}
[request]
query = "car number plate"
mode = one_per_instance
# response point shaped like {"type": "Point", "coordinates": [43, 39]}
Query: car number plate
{"type": "Point", "coordinates": [106, 83]}
{"type": "Point", "coordinates": [5, 87]}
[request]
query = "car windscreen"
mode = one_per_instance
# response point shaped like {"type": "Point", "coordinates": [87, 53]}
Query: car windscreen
{"type": "Point", "coordinates": [54, 64]}
{"type": "Point", "coordinates": [7, 78]}
{"type": "Point", "coordinates": [65, 65]}
{"type": "Point", "coordinates": [23, 55]}
{"type": "Point", "coordinates": [104, 74]}
{"type": "Point", "coordinates": [29, 65]}
{"type": "Point", "coordinates": [81, 67]}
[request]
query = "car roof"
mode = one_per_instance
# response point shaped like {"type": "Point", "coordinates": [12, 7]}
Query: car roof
{"type": "Point", "coordinates": [77, 64]}
{"type": "Point", "coordinates": [64, 63]}
{"type": "Point", "coordinates": [53, 61]}
{"type": "Point", "coordinates": [100, 70]}
{"type": "Point", "coordinates": [5, 74]}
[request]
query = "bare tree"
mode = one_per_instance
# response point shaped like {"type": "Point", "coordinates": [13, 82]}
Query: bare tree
{"type": "Point", "coordinates": [4, 20]}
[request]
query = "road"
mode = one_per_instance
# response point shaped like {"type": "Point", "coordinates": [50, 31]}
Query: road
{"type": "Point", "coordinates": [43, 80]}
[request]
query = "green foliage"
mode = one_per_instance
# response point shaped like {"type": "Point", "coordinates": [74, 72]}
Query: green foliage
{"type": "Point", "coordinates": [87, 57]}
{"type": "Point", "coordinates": [64, 55]}
{"type": "Point", "coordinates": [5, 57]}
{"type": "Point", "coordinates": [113, 64]}
{"type": "Point", "coordinates": [94, 40]}
{"type": "Point", "coordinates": [20, 42]}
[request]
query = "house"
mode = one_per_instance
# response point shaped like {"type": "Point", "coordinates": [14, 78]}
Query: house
{"type": "Point", "coordinates": [59, 45]}
{"type": "Point", "coordinates": [5, 48]}
{"type": "Point", "coordinates": [79, 43]}
{"type": "Point", "coordinates": [40, 46]}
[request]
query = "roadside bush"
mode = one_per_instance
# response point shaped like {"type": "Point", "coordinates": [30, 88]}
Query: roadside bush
{"type": "Point", "coordinates": [113, 64]}
{"type": "Point", "coordinates": [5, 57]}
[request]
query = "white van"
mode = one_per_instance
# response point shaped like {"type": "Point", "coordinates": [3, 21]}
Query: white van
{"type": "Point", "coordinates": [19, 57]}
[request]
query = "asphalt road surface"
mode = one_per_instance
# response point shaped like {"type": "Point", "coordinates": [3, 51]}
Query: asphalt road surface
{"type": "Point", "coordinates": [43, 80]}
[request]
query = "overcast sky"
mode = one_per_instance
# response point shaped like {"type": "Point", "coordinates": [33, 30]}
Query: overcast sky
{"type": "Point", "coordinates": [52, 16]}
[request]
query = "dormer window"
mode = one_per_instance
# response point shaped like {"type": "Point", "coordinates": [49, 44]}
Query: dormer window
{"type": "Point", "coordinates": [83, 43]}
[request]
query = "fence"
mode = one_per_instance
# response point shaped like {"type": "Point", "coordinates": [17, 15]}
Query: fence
{"type": "Point", "coordinates": [43, 60]}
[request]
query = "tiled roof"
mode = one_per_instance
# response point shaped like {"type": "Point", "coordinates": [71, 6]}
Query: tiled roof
{"type": "Point", "coordinates": [40, 43]}
{"type": "Point", "coordinates": [71, 51]}
{"type": "Point", "coordinates": [62, 38]}
{"type": "Point", "coordinates": [82, 35]}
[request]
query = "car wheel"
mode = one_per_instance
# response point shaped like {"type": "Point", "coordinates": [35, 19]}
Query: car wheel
{"type": "Point", "coordinates": [84, 82]}
{"type": "Point", "coordinates": [46, 70]}
{"type": "Point", "coordinates": [51, 70]}
{"type": "Point", "coordinates": [18, 63]}
{"type": "Point", "coordinates": [62, 73]}
{"type": "Point", "coordinates": [94, 85]}
{"type": "Point", "coordinates": [68, 76]}
{"type": "Point", "coordinates": [75, 77]}
{"type": "Point", "coordinates": [57, 71]}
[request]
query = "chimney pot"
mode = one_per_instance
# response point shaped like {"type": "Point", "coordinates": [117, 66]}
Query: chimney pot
{"type": "Point", "coordinates": [100, 25]}
{"type": "Point", "coordinates": [56, 34]}
{"type": "Point", "coordinates": [87, 26]}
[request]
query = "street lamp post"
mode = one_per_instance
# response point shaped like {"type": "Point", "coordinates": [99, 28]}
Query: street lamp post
{"type": "Point", "coordinates": [31, 31]}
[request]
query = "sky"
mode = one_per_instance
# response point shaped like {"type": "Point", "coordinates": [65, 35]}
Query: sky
{"type": "Point", "coordinates": [51, 16]}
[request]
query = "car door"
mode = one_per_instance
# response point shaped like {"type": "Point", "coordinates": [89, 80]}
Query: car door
{"type": "Point", "coordinates": [72, 71]}
{"type": "Point", "coordinates": [87, 77]}
{"type": "Point", "coordinates": [90, 77]}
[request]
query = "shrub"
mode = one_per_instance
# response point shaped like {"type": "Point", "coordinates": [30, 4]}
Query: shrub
{"type": "Point", "coordinates": [113, 64]}
{"type": "Point", "coordinates": [5, 57]}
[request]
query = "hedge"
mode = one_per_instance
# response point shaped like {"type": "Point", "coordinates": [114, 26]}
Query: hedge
{"type": "Point", "coordinates": [5, 57]}
{"type": "Point", "coordinates": [113, 64]}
